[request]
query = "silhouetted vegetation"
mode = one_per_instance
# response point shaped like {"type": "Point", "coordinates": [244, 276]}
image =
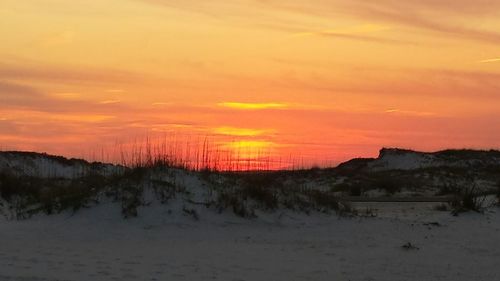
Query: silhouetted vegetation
{"type": "Point", "coordinates": [447, 189]}
{"type": "Point", "coordinates": [442, 207]}
{"type": "Point", "coordinates": [498, 193]}
{"type": "Point", "coordinates": [387, 182]}
{"type": "Point", "coordinates": [352, 188]}
{"type": "Point", "coordinates": [29, 195]}
{"type": "Point", "coordinates": [245, 193]}
{"type": "Point", "coordinates": [469, 199]}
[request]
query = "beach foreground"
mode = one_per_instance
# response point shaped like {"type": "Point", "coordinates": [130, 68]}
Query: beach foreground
{"type": "Point", "coordinates": [97, 244]}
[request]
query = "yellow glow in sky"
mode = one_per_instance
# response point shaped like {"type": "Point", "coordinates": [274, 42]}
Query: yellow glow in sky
{"type": "Point", "coordinates": [239, 132]}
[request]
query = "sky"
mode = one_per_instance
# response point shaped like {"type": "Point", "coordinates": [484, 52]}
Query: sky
{"type": "Point", "coordinates": [322, 81]}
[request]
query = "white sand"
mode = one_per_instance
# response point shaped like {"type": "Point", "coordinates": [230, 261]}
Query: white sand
{"type": "Point", "coordinates": [96, 244]}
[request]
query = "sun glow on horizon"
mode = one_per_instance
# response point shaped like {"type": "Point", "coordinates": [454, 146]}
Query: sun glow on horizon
{"type": "Point", "coordinates": [240, 132]}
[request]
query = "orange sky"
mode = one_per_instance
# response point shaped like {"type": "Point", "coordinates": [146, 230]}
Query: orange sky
{"type": "Point", "coordinates": [322, 80]}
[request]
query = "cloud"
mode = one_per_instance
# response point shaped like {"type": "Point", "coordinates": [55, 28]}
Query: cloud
{"type": "Point", "coordinates": [253, 106]}
{"type": "Point", "coordinates": [68, 75]}
{"type": "Point", "coordinates": [255, 145]}
{"type": "Point", "coordinates": [355, 29]}
{"type": "Point", "coordinates": [409, 82]}
{"type": "Point", "coordinates": [161, 103]}
{"type": "Point", "coordinates": [15, 95]}
{"type": "Point", "coordinates": [240, 132]}
{"type": "Point", "coordinates": [459, 7]}
{"type": "Point", "coordinates": [109, 102]}
{"type": "Point", "coordinates": [67, 96]}
{"type": "Point", "coordinates": [422, 19]}
{"type": "Point", "coordinates": [489, 60]}
{"type": "Point", "coordinates": [18, 90]}
{"type": "Point", "coordinates": [356, 37]}
{"type": "Point", "coordinates": [409, 112]}
{"type": "Point", "coordinates": [82, 118]}
{"type": "Point", "coordinates": [13, 92]}
{"type": "Point", "coordinates": [115, 91]}
{"type": "Point", "coordinates": [56, 39]}
{"type": "Point", "coordinates": [442, 16]}
{"type": "Point", "coordinates": [7, 126]}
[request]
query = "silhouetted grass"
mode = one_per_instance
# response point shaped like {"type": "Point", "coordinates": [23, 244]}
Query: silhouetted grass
{"type": "Point", "coordinates": [469, 199]}
{"type": "Point", "coordinates": [29, 195]}
{"type": "Point", "coordinates": [442, 207]}
{"type": "Point", "coordinates": [498, 193]}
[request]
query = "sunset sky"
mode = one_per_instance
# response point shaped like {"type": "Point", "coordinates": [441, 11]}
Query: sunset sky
{"type": "Point", "coordinates": [319, 80]}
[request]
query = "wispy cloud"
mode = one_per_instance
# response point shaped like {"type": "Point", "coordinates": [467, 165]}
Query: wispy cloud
{"type": "Point", "coordinates": [361, 32]}
{"type": "Point", "coordinates": [429, 15]}
{"type": "Point", "coordinates": [172, 127]}
{"type": "Point", "coordinates": [240, 132]}
{"type": "Point", "coordinates": [253, 106]}
{"type": "Point", "coordinates": [115, 90]}
{"type": "Point", "coordinates": [161, 103]}
{"type": "Point", "coordinates": [68, 74]}
{"type": "Point", "coordinates": [16, 95]}
{"type": "Point", "coordinates": [59, 38]}
{"type": "Point", "coordinates": [489, 60]}
{"type": "Point", "coordinates": [349, 30]}
{"type": "Point", "coordinates": [405, 17]}
{"type": "Point", "coordinates": [84, 118]}
{"type": "Point", "coordinates": [358, 37]}
{"type": "Point", "coordinates": [68, 96]}
{"type": "Point", "coordinates": [109, 102]}
{"type": "Point", "coordinates": [409, 112]}
{"type": "Point", "coordinates": [413, 82]}
{"type": "Point", "coordinates": [250, 145]}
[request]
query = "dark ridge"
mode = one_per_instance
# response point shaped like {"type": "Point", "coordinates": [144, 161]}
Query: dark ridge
{"type": "Point", "coordinates": [359, 164]}
{"type": "Point", "coordinates": [355, 164]}
{"type": "Point", "coordinates": [59, 159]}
{"type": "Point", "coordinates": [387, 150]}
{"type": "Point", "coordinates": [467, 153]}
{"type": "Point", "coordinates": [457, 153]}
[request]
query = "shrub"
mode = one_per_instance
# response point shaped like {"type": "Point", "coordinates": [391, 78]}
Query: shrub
{"type": "Point", "coordinates": [323, 200]}
{"type": "Point", "coordinates": [447, 189]}
{"type": "Point", "coordinates": [165, 191]}
{"type": "Point", "coordinates": [261, 187]}
{"type": "Point", "coordinates": [386, 182]}
{"type": "Point", "coordinates": [346, 209]}
{"type": "Point", "coordinates": [29, 195]}
{"type": "Point", "coordinates": [469, 199]}
{"type": "Point", "coordinates": [261, 179]}
{"type": "Point", "coordinates": [244, 212]}
{"type": "Point", "coordinates": [7, 186]}
{"type": "Point", "coordinates": [230, 199]}
{"type": "Point", "coordinates": [60, 198]}
{"type": "Point", "coordinates": [356, 190]}
{"type": "Point", "coordinates": [264, 195]}
{"type": "Point", "coordinates": [368, 212]}
{"type": "Point", "coordinates": [191, 212]}
{"type": "Point", "coordinates": [498, 193]}
{"type": "Point", "coordinates": [352, 188]}
{"type": "Point", "coordinates": [131, 199]}
{"type": "Point", "coordinates": [297, 201]}
{"type": "Point", "coordinates": [136, 174]}
{"type": "Point", "coordinates": [441, 207]}
{"type": "Point", "coordinates": [307, 200]}
{"type": "Point", "coordinates": [11, 186]}
{"type": "Point", "coordinates": [409, 246]}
